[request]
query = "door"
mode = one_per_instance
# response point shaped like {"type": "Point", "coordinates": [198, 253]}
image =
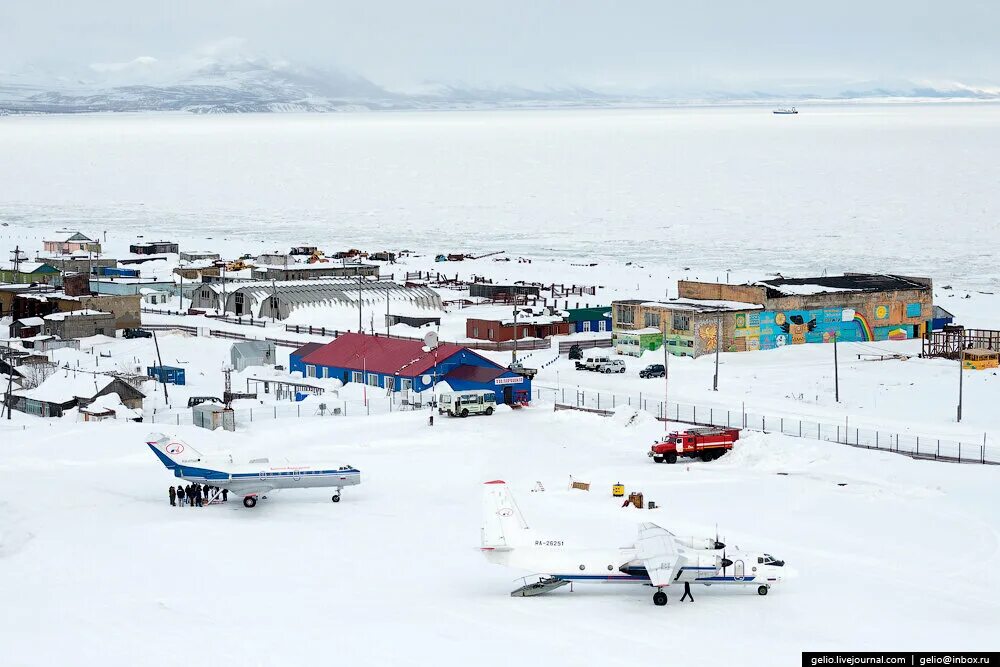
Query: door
{"type": "Point", "coordinates": [738, 570]}
{"type": "Point", "coordinates": [508, 395]}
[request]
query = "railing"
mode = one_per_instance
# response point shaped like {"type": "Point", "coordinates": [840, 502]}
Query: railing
{"type": "Point", "coordinates": [911, 444]}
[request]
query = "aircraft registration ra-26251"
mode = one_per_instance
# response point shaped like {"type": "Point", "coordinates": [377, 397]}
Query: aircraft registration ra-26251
{"type": "Point", "coordinates": [251, 479]}
{"type": "Point", "coordinates": [658, 559]}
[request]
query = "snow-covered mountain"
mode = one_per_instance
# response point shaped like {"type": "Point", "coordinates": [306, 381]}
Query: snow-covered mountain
{"type": "Point", "coordinates": [251, 84]}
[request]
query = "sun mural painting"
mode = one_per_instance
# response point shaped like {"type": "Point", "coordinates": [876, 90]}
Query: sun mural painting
{"type": "Point", "coordinates": [709, 335]}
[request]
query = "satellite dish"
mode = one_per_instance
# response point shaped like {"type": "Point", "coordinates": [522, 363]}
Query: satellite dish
{"type": "Point", "coordinates": [427, 379]}
{"type": "Point", "coordinates": [431, 339]}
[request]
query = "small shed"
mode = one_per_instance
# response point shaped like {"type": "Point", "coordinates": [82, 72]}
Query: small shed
{"type": "Point", "coordinates": [213, 416]}
{"type": "Point", "coordinates": [247, 353]}
{"type": "Point", "coordinates": [166, 374]}
{"type": "Point", "coordinates": [153, 296]}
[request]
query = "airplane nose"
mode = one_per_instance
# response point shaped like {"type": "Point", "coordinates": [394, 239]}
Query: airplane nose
{"type": "Point", "coordinates": [777, 563]}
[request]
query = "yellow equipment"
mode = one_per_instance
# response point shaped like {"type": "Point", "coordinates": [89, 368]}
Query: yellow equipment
{"type": "Point", "coordinates": [618, 490]}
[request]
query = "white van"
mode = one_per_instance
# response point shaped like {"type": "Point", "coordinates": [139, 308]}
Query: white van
{"type": "Point", "coordinates": [465, 403]}
{"type": "Point", "coordinates": [592, 360]}
{"type": "Point", "coordinates": [613, 366]}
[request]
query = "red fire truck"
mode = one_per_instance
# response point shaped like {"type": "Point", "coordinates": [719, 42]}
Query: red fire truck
{"type": "Point", "coordinates": [708, 443]}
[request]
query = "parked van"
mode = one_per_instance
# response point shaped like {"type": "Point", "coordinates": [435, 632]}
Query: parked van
{"type": "Point", "coordinates": [592, 360]}
{"type": "Point", "coordinates": [613, 366]}
{"type": "Point", "coordinates": [465, 403]}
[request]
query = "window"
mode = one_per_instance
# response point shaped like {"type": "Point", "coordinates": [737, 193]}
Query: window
{"type": "Point", "coordinates": [625, 314]}
{"type": "Point", "coordinates": [913, 310]}
{"type": "Point", "coordinates": [681, 322]}
{"type": "Point", "coordinates": [490, 331]}
{"type": "Point", "coordinates": [372, 380]}
{"type": "Point", "coordinates": [206, 293]}
{"type": "Point", "coordinates": [405, 384]}
{"type": "Point", "coordinates": [326, 372]}
{"type": "Point", "coordinates": [652, 319]}
{"type": "Point", "coordinates": [310, 371]}
{"type": "Point", "coordinates": [356, 376]}
{"type": "Point", "coordinates": [475, 332]}
{"type": "Point", "coordinates": [586, 325]}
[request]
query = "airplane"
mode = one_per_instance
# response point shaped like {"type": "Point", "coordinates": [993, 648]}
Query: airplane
{"type": "Point", "coordinates": [658, 558]}
{"type": "Point", "coordinates": [251, 479]}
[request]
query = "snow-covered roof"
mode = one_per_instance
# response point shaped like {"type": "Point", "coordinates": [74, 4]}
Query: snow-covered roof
{"type": "Point", "coordinates": [806, 289]}
{"type": "Point", "coordinates": [704, 305]}
{"type": "Point", "coordinates": [63, 386]}
{"type": "Point", "coordinates": [59, 317]}
{"type": "Point", "coordinates": [32, 321]}
{"type": "Point", "coordinates": [24, 267]}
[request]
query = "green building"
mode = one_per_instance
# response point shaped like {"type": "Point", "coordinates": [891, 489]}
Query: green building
{"type": "Point", "coordinates": [29, 272]}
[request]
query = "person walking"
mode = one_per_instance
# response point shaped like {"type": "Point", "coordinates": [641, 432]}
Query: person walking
{"type": "Point", "coordinates": [687, 591]}
{"type": "Point", "coordinates": [225, 495]}
{"type": "Point", "coordinates": [180, 496]}
{"type": "Point", "coordinates": [173, 497]}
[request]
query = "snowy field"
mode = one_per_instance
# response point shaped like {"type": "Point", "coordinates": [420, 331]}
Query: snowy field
{"type": "Point", "coordinates": [889, 553]}
{"type": "Point", "coordinates": [93, 554]}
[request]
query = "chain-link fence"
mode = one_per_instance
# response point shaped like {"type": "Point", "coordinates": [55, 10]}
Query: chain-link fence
{"type": "Point", "coordinates": [844, 433]}
{"type": "Point", "coordinates": [380, 405]}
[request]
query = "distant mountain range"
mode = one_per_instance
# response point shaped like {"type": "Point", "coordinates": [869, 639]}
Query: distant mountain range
{"type": "Point", "coordinates": [251, 85]}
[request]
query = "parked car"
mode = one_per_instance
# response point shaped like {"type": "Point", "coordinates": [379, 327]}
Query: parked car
{"type": "Point", "coordinates": [613, 366]}
{"type": "Point", "coordinates": [653, 371]}
{"type": "Point", "coordinates": [137, 333]}
{"type": "Point", "coordinates": [198, 400]}
{"type": "Point", "coordinates": [592, 360]}
{"type": "Point", "coordinates": [575, 352]}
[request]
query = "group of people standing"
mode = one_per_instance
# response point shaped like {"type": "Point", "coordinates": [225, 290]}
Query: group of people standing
{"type": "Point", "coordinates": [194, 495]}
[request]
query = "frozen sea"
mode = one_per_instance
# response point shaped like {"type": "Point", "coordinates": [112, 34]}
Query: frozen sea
{"type": "Point", "coordinates": [904, 188]}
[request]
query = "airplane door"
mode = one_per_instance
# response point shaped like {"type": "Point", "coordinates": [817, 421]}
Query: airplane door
{"type": "Point", "coordinates": [738, 570]}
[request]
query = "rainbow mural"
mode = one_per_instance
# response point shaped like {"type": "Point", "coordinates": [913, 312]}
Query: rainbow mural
{"type": "Point", "coordinates": [866, 329]}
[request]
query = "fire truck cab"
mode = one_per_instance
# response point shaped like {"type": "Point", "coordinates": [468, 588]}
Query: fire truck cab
{"type": "Point", "coordinates": [707, 443]}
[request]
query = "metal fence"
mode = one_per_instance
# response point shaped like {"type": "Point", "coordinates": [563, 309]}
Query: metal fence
{"type": "Point", "coordinates": [912, 444]}
{"type": "Point", "coordinates": [380, 405]}
{"type": "Point", "coordinates": [583, 344]}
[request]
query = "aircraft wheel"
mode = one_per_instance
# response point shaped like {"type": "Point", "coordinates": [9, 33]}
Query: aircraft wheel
{"type": "Point", "coordinates": [249, 501]}
{"type": "Point", "coordinates": [336, 498]}
{"type": "Point", "coordinates": [670, 458]}
{"type": "Point", "coordinates": [659, 598]}
{"type": "Point", "coordinates": [762, 590]}
{"type": "Point", "coordinates": [489, 411]}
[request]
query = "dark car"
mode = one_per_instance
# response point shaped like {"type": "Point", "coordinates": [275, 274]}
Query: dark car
{"type": "Point", "coordinates": [198, 400]}
{"type": "Point", "coordinates": [575, 352]}
{"type": "Point", "coordinates": [652, 371]}
{"type": "Point", "coordinates": [137, 333]}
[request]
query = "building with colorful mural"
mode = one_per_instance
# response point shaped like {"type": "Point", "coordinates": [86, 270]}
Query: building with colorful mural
{"type": "Point", "coordinates": [785, 311]}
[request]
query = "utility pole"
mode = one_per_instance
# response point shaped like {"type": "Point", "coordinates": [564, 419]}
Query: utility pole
{"type": "Point", "coordinates": [361, 326]}
{"type": "Point", "coordinates": [718, 344]}
{"type": "Point", "coordinates": [159, 359]}
{"type": "Point", "coordinates": [514, 350]}
{"type": "Point", "coordinates": [836, 376]}
{"type": "Point", "coordinates": [666, 371]}
{"type": "Point", "coordinates": [961, 368]}
{"type": "Point", "coordinates": [388, 294]}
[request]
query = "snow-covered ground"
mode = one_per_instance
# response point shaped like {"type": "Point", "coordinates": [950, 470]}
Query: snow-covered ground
{"type": "Point", "coordinates": [625, 200]}
{"type": "Point", "coordinates": [93, 554]}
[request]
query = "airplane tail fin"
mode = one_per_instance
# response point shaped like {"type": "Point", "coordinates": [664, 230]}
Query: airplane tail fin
{"type": "Point", "coordinates": [171, 451]}
{"type": "Point", "coordinates": [503, 525]}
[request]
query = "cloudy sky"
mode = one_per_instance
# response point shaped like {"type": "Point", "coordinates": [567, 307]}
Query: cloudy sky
{"type": "Point", "coordinates": [628, 44]}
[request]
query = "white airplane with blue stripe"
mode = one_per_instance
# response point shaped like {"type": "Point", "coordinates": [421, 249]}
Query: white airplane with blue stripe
{"type": "Point", "coordinates": [251, 479]}
{"type": "Point", "coordinates": [658, 558]}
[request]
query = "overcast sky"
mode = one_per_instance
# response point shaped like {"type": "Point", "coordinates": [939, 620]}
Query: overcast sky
{"type": "Point", "coordinates": [626, 44]}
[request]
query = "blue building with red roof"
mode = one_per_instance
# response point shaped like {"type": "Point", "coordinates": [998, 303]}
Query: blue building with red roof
{"type": "Point", "coordinates": [405, 364]}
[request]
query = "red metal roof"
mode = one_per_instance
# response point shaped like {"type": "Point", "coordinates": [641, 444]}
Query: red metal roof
{"type": "Point", "coordinates": [379, 354]}
{"type": "Point", "coordinates": [480, 374]}
{"type": "Point", "coordinates": [306, 349]}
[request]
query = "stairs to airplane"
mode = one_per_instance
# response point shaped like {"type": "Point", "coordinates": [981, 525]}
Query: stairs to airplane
{"type": "Point", "coordinates": [545, 585]}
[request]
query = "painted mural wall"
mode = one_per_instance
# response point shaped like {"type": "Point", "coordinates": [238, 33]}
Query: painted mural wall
{"type": "Point", "coordinates": [769, 329]}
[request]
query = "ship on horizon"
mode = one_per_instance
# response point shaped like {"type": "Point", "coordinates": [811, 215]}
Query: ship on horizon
{"type": "Point", "coordinates": [785, 111]}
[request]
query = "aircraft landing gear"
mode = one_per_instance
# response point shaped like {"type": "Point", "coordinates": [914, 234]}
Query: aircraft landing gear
{"type": "Point", "coordinates": [336, 498]}
{"type": "Point", "coordinates": [762, 590]}
{"type": "Point", "coordinates": [659, 598]}
{"type": "Point", "coordinates": [249, 501]}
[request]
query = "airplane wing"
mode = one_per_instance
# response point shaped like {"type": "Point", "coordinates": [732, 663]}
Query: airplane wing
{"type": "Point", "coordinates": [656, 549]}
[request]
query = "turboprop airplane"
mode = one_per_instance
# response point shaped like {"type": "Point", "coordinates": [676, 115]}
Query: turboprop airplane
{"type": "Point", "coordinates": [658, 559]}
{"type": "Point", "coordinates": [251, 479]}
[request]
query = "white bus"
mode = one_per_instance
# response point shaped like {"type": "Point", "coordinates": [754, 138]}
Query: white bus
{"type": "Point", "coordinates": [465, 403]}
